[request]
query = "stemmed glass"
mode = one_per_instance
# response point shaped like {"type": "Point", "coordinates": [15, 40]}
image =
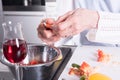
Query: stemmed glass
{"type": "Point", "coordinates": [14, 45]}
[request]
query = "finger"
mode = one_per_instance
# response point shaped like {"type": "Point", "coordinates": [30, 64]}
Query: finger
{"type": "Point", "coordinates": [44, 39]}
{"type": "Point", "coordinates": [64, 25]}
{"type": "Point", "coordinates": [47, 33]}
{"type": "Point", "coordinates": [64, 17]}
{"type": "Point", "coordinates": [71, 31]}
{"type": "Point", "coordinates": [43, 32]}
{"type": "Point", "coordinates": [41, 25]}
{"type": "Point", "coordinates": [65, 33]}
{"type": "Point", "coordinates": [54, 38]}
{"type": "Point", "coordinates": [40, 29]}
{"type": "Point", "coordinates": [49, 40]}
{"type": "Point", "coordinates": [49, 22]}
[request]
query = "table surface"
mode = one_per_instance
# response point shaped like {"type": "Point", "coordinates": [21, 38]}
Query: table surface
{"type": "Point", "coordinates": [5, 74]}
{"type": "Point", "coordinates": [89, 55]}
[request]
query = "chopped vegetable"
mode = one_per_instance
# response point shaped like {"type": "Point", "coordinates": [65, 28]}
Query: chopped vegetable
{"type": "Point", "coordinates": [83, 70]}
{"type": "Point", "coordinates": [102, 57]}
{"type": "Point", "coordinates": [74, 71]}
{"type": "Point", "coordinates": [33, 62]}
{"type": "Point", "coordinates": [86, 72]}
{"type": "Point", "coordinates": [75, 65]}
{"type": "Point", "coordinates": [71, 71]}
{"type": "Point", "coordinates": [83, 77]}
{"type": "Point", "coordinates": [84, 66]}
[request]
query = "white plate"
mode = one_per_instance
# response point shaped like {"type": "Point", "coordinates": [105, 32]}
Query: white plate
{"type": "Point", "coordinates": [88, 54]}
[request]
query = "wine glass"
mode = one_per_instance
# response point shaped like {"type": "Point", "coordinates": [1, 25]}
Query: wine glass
{"type": "Point", "coordinates": [14, 45]}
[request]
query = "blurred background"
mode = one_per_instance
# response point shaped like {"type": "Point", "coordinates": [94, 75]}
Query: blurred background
{"type": "Point", "coordinates": [29, 13]}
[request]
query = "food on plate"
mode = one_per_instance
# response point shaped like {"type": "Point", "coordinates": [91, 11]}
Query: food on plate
{"type": "Point", "coordinates": [83, 71]}
{"type": "Point", "coordinates": [99, 76]}
{"type": "Point", "coordinates": [87, 72]}
{"type": "Point", "coordinates": [33, 62]}
{"type": "Point", "coordinates": [103, 57]}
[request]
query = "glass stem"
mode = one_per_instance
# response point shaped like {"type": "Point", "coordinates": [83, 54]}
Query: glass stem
{"type": "Point", "coordinates": [17, 71]}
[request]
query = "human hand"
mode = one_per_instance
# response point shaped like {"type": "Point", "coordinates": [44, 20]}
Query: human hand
{"type": "Point", "coordinates": [76, 21]}
{"type": "Point", "coordinates": [46, 33]}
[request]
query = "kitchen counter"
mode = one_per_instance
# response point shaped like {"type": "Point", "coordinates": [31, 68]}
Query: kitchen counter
{"type": "Point", "coordinates": [87, 54]}
{"type": "Point", "coordinates": [4, 69]}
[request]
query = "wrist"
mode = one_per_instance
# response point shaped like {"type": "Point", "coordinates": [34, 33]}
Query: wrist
{"type": "Point", "coordinates": [96, 19]}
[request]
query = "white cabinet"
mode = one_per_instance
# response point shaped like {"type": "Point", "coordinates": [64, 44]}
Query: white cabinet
{"type": "Point", "coordinates": [30, 21]}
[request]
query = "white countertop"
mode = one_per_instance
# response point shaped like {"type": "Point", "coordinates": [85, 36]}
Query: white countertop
{"type": "Point", "coordinates": [3, 68]}
{"type": "Point", "coordinates": [5, 74]}
{"type": "Point", "coordinates": [88, 54]}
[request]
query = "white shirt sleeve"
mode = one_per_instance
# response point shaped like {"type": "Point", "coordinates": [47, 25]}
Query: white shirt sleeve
{"type": "Point", "coordinates": [108, 28]}
{"type": "Point", "coordinates": [108, 19]}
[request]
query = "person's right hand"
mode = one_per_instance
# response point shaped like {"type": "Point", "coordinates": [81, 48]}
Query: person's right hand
{"type": "Point", "coordinates": [46, 33]}
{"type": "Point", "coordinates": [76, 21]}
{"type": "Point", "coordinates": [69, 24]}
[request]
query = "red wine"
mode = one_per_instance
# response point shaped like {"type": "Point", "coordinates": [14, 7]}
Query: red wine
{"type": "Point", "coordinates": [15, 50]}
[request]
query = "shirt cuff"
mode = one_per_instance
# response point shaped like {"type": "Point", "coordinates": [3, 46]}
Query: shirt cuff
{"type": "Point", "coordinates": [108, 28]}
{"type": "Point", "coordinates": [107, 19]}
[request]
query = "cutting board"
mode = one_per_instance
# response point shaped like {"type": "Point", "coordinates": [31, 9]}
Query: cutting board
{"type": "Point", "coordinates": [89, 55]}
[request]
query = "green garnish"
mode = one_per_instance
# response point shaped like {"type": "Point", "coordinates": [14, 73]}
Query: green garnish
{"type": "Point", "coordinates": [83, 77]}
{"type": "Point", "coordinates": [75, 65]}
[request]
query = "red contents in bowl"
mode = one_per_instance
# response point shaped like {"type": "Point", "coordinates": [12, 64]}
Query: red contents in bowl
{"type": "Point", "coordinates": [33, 62]}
